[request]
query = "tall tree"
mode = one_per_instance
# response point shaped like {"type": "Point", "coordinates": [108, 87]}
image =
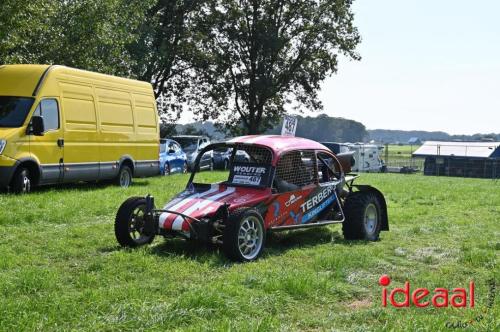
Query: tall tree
{"type": "Point", "coordinates": [87, 34]}
{"type": "Point", "coordinates": [164, 52]}
{"type": "Point", "coordinates": [144, 39]}
{"type": "Point", "coordinates": [21, 22]}
{"type": "Point", "coordinates": [265, 55]}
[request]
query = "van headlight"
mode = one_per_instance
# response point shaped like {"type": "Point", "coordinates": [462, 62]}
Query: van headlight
{"type": "Point", "coordinates": [3, 143]}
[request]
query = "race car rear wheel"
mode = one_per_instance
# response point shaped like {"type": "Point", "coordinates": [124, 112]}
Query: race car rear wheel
{"type": "Point", "coordinates": [130, 223]}
{"type": "Point", "coordinates": [363, 217]}
{"type": "Point", "coordinates": [244, 236]}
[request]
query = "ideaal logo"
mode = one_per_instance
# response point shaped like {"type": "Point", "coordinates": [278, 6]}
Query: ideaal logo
{"type": "Point", "coordinates": [423, 297]}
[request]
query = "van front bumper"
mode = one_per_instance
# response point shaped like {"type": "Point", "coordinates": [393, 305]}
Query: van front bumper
{"type": "Point", "coordinates": [7, 168]}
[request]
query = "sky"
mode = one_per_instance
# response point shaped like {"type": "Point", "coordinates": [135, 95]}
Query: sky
{"type": "Point", "coordinates": [426, 65]}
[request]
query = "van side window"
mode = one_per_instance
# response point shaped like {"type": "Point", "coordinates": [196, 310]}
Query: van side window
{"type": "Point", "coordinates": [49, 110]}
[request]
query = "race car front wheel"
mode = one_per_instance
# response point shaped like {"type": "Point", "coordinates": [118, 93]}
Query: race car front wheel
{"type": "Point", "coordinates": [130, 230]}
{"type": "Point", "coordinates": [244, 236]}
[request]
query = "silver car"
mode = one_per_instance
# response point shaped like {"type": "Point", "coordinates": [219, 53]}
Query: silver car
{"type": "Point", "coordinates": [192, 145]}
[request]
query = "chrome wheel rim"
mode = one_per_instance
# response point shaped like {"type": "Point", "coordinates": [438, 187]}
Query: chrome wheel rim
{"type": "Point", "coordinates": [124, 179]}
{"type": "Point", "coordinates": [371, 218]}
{"type": "Point", "coordinates": [250, 237]}
{"type": "Point", "coordinates": [136, 225]}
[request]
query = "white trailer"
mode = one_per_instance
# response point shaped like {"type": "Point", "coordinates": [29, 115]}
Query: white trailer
{"type": "Point", "coordinates": [367, 157]}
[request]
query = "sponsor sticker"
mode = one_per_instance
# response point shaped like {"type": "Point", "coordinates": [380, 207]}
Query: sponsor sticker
{"type": "Point", "coordinates": [251, 174]}
{"type": "Point", "coordinates": [317, 203]}
{"type": "Point", "coordinates": [247, 179]}
{"type": "Point", "coordinates": [293, 199]}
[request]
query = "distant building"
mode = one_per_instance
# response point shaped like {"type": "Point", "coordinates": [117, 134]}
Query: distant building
{"type": "Point", "coordinates": [464, 159]}
{"type": "Point", "coordinates": [414, 141]}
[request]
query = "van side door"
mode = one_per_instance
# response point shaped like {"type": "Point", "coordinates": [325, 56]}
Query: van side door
{"type": "Point", "coordinates": [81, 139]}
{"type": "Point", "coordinates": [48, 149]}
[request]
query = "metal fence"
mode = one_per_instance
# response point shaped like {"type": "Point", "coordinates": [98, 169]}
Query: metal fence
{"type": "Point", "coordinates": [461, 159]}
{"type": "Point", "coordinates": [398, 159]}
{"type": "Point", "coordinates": [462, 167]}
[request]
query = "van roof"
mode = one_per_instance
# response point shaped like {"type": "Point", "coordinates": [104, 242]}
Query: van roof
{"type": "Point", "coordinates": [24, 80]}
{"type": "Point", "coordinates": [20, 80]}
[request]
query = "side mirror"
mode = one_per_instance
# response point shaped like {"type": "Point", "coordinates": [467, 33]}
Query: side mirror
{"type": "Point", "coordinates": [37, 126]}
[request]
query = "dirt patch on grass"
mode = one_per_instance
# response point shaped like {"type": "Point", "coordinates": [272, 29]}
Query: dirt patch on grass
{"type": "Point", "coordinates": [434, 255]}
{"type": "Point", "coordinates": [360, 304]}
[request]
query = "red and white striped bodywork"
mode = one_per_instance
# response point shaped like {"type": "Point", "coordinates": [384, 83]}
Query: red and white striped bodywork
{"type": "Point", "coordinates": [202, 203]}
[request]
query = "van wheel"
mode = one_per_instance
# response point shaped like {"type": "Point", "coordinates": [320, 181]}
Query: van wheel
{"type": "Point", "coordinates": [185, 168]}
{"type": "Point", "coordinates": [124, 178]}
{"type": "Point", "coordinates": [130, 225]}
{"type": "Point", "coordinates": [21, 181]}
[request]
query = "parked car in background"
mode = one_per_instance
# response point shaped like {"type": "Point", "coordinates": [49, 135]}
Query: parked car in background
{"type": "Point", "coordinates": [60, 125]}
{"type": "Point", "coordinates": [192, 145]}
{"type": "Point", "coordinates": [365, 157]}
{"type": "Point", "coordinates": [172, 158]}
{"type": "Point", "coordinates": [222, 157]}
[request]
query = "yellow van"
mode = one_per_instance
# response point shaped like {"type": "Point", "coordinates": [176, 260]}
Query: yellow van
{"type": "Point", "coordinates": [59, 125]}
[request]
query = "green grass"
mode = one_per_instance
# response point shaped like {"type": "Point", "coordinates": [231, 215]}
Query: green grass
{"type": "Point", "coordinates": [61, 269]}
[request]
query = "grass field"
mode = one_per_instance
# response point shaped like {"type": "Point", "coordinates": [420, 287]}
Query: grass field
{"type": "Point", "coordinates": [61, 269]}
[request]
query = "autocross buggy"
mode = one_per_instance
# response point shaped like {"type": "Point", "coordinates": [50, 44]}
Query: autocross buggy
{"type": "Point", "coordinates": [286, 183]}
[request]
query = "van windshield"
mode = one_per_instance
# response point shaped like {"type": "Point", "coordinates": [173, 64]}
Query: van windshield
{"type": "Point", "coordinates": [13, 110]}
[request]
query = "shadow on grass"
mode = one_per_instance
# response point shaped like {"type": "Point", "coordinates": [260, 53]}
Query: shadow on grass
{"type": "Point", "coordinates": [277, 243]}
{"type": "Point", "coordinates": [194, 250]}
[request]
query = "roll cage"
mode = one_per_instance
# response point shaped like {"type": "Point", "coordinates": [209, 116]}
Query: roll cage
{"type": "Point", "coordinates": [336, 171]}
